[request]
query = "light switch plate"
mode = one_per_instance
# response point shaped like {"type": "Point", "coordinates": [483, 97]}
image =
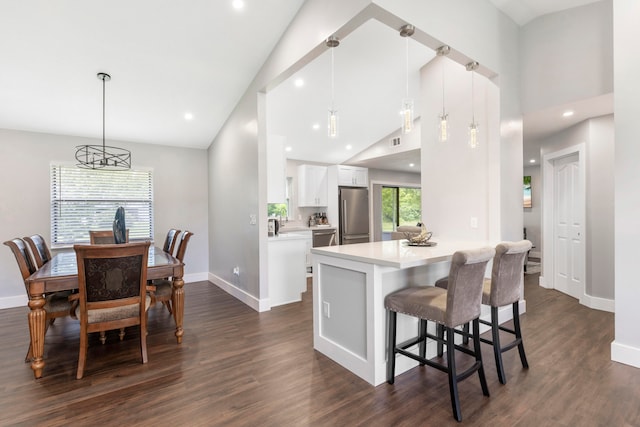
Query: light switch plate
{"type": "Point", "coordinates": [474, 222]}
{"type": "Point", "coordinates": [252, 219]}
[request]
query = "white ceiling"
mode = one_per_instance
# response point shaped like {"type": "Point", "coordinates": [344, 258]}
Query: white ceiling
{"type": "Point", "coordinates": [167, 58]}
{"type": "Point", "coordinates": [524, 11]}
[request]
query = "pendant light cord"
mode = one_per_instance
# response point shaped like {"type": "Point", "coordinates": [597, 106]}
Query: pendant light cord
{"type": "Point", "coordinates": [332, 83]}
{"type": "Point", "coordinates": [103, 116]}
{"type": "Point", "coordinates": [473, 115]}
{"type": "Point", "coordinates": [407, 67]}
{"type": "Point", "coordinates": [443, 110]}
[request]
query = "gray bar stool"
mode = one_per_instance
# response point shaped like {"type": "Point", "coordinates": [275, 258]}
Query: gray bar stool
{"type": "Point", "coordinates": [502, 289]}
{"type": "Point", "coordinates": [457, 305]}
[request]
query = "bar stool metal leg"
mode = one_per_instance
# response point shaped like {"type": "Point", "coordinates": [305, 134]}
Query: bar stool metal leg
{"type": "Point", "coordinates": [518, 332]}
{"type": "Point", "coordinates": [391, 347]}
{"type": "Point", "coordinates": [497, 350]}
{"type": "Point", "coordinates": [453, 380]}
{"type": "Point", "coordinates": [478, 353]}
{"type": "Point", "coordinates": [422, 333]}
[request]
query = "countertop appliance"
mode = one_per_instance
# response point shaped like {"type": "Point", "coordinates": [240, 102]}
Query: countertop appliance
{"type": "Point", "coordinates": [323, 237]}
{"type": "Point", "coordinates": [354, 215]}
{"type": "Point", "coordinates": [273, 227]}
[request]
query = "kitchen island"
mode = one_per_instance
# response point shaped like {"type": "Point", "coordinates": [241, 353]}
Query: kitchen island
{"type": "Point", "coordinates": [349, 286]}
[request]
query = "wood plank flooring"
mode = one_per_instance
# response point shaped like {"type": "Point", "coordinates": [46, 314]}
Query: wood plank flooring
{"type": "Point", "coordinates": [240, 368]}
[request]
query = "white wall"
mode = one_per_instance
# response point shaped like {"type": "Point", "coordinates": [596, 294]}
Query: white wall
{"type": "Point", "coordinates": [626, 347]}
{"type": "Point", "coordinates": [180, 195]}
{"type": "Point", "coordinates": [533, 215]}
{"type": "Point", "coordinates": [567, 56]}
{"type": "Point", "coordinates": [459, 182]}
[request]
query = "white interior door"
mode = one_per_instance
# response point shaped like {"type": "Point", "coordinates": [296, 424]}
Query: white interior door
{"type": "Point", "coordinates": [568, 227]}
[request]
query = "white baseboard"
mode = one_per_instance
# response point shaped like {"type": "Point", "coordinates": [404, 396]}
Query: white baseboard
{"type": "Point", "coordinates": [14, 301]}
{"type": "Point", "coordinates": [543, 283]}
{"type": "Point", "coordinates": [597, 303]}
{"type": "Point", "coordinates": [196, 277]}
{"type": "Point", "coordinates": [253, 302]}
{"type": "Point", "coordinates": [625, 354]}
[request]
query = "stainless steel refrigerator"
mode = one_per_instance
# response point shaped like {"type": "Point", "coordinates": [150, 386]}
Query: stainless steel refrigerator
{"type": "Point", "coordinates": [354, 215]}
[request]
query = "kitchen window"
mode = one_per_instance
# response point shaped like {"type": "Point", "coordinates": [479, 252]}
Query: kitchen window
{"type": "Point", "coordinates": [400, 206]}
{"type": "Point", "coordinates": [87, 199]}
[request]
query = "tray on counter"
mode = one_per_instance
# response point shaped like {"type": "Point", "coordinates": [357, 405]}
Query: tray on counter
{"type": "Point", "coordinates": [427, 243]}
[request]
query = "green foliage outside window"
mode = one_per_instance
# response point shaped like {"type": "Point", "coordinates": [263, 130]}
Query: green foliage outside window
{"type": "Point", "coordinates": [277, 209]}
{"type": "Point", "coordinates": [400, 206]}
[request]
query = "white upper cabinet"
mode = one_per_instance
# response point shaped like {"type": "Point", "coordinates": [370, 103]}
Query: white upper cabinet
{"type": "Point", "coordinates": [276, 170]}
{"type": "Point", "coordinates": [353, 176]}
{"type": "Point", "coordinates": [312, 185]}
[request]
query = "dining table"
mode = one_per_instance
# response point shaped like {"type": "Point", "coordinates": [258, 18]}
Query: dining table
{"type": "Point", "coordinates": [61, 274]}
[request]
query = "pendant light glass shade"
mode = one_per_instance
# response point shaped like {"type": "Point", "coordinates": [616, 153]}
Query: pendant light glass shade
{"type": "Point", "coordinates": [103, 156]}
{"type": "Point", "coordinates": [473, 126]}
{"type": "Point", "coordinates": [443, 125]}
{"type": "Point", "coordinates": [332, 117]}
{"type": "Point", "coordinates": [407, 115]}
{"type": "Point", "coordinates": [332, 121]}
{"type": "Point", "coordinates": [407, 103]}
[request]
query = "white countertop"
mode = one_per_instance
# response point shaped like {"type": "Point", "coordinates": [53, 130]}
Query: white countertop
{"type": "Point", "coordinates": [296, 228]}
{"type": "Point", "coordinates": [397, 253]}
{"type": "Point", "coordinates": [285, 237]}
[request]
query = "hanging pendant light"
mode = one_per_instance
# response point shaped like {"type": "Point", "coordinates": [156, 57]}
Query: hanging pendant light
{"type": "Point", "coordinates": [103, 156]}
{"type": "Point", "coordinates": [332, 119]}
{"type": "Point", "coordinates": [407, 31]}
{"type": "Point", "coordinates": [473, 126]}
{"type": "Point", "coordinates": [443, 126]}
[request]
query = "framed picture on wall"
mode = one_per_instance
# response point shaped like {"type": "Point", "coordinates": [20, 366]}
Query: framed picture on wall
{"type": "Point", "coordinates": [527, 191]}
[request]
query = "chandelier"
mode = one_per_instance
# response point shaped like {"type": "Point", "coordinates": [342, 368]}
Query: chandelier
{"type": "Point", "coordinates": [103, 156]}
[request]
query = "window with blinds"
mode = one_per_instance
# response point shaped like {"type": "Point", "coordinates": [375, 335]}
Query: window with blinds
{"type": "Point", "coordinates": [86, 199]}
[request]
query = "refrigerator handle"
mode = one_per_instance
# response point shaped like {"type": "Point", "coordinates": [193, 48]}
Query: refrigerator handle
{"type": "Point", "coordinates": [344, 217]}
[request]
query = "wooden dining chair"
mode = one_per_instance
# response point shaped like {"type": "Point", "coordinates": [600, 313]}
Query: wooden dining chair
{"type": "Point", "coordinates": [112, 284]}
{"type": "Point", "coordinates": [164, 287]}
{"type": "Point", "coordinates": [103, 237]}
{"type": "Point", "coordinates": [170, 241]}
{"type": "Point", "coordinates": [39, 249]}
{"type": "Point", "coordinates": [56, 303]}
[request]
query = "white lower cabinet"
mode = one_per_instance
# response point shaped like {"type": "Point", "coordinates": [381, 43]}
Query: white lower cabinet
{"type": "Point", "coordinates": [288, 267]}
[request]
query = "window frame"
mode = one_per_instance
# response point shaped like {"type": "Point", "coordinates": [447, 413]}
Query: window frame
{"type": "Point", "coordinates": [67, 230]}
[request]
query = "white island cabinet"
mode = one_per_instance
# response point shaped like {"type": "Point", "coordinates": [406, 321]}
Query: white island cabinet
{"type": "Point", "coordinates": [287, 268]}
{"type": "Point", "coordinates": [349, 286]}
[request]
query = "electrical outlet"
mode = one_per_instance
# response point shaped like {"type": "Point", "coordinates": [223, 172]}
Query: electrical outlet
{"type": "Point", "coordinates": [236, 271]}
{"type": "Point", "coordinates": [252, 219]}
{"type": "Point", "coordinates": [326, 309]}
{"type": "Point", "coordinates": [474, 222]}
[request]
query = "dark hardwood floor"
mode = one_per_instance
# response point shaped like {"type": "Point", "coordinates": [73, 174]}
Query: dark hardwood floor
{"type": "Point", "coordinates": [238, 367]}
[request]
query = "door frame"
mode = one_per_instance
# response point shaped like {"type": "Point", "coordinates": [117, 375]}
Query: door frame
{"type": "Point", "coordinates": [549, 209]}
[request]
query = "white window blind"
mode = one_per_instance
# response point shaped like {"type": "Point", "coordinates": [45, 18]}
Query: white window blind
{"type": "Point", "coordinates": [86, 199]}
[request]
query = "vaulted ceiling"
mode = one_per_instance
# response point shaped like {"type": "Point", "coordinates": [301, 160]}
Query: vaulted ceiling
{"type": "Point", "coordinates": [169, 58]}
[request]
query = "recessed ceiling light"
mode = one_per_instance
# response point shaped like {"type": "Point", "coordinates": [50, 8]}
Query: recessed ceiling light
{"type": "Point", "coordinates": [238, 4]}
{"type": "Point", "coordinates": [349, 147]}
{"type": "Point", "coordinates": [315, 126]}
{"type": "Point", "coordinates": [298, 82]}
{"type": "Point", "coordinates": [568, 113]}
{"type": "Point", "coordinates": [188, 116]}
{"type": "Point", "coordinates": [287, 149]}
{"type": "Point", "coordinates": [411, 165]}
{"type": "Point", "coordinates": [532, 161]}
